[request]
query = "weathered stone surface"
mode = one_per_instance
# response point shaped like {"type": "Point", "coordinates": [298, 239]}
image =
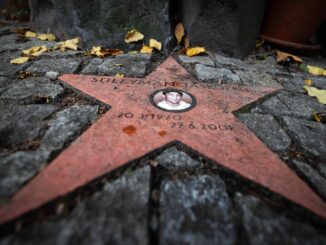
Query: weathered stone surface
{"type": "Point", "coordinates": [7, 69]}
{"type": "Point", "coordinates": [322, 170]}
{"type": "Point", "coordinates": [66, 125]}
{"type": "Point", "coordinates": [9, 42]}
{"type": "Point", "coordinates": [223, 25]}
{"type": "Point", "coordinates": [53, 75]}
{"type": "Point", "coordinates": [33, 88]}
{"type": "Point", "coordinates": [292, 105]}
{"type": "Point", "coordinates": [297, 82]}
{"type": "Point", "coordinates": [60, 54]}
{"type": "Point", "coordinates": [293, 85]}
{"type": "Point", "coordinates": [204, 60]}
{"type": "Point", "coordinates": [267, 65]}
{"type": "Point", "coordinates": [4, 30]}
{"type": "Point", "coordinates": [104, 22]}
{"type": "Point", "coordinates": [224, 61]}
{"type": "Point", "coordinates": [4, 83]}
{"type": "Point", "coordinates": [128, 65]}
{"type": "Point", "coordinates": [175, 160]}
{"type": "Point", "coordinates": [59, 65]}
{"type": "Point", "coordinates": [318, 181]}
{"type": "Point", "coordinates": [196, 211]}
{"type": "Point", "coordinates": [264, 226]}
{"type": "Point", "coordinates": [254, 78]}
{"type": "Point", "coordinates": [18, 168]}
{"type": "Point", "coordinates": [311, 136]}
{"type": "Point", "coordinates": [20, 124]}
{"type": "Point", "coordinates": [209, 73]}
{"type": "Point", "coordinates": [116, 215]}
{"type": "Point", "coordinates": [268, 130]}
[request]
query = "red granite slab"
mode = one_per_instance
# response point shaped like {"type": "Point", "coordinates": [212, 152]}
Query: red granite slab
{"type": "Point", "coordinates": [135, 126]}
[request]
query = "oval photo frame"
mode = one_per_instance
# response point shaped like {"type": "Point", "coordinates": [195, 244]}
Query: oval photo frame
{"type": "Point", "coordinates": [160, 99]}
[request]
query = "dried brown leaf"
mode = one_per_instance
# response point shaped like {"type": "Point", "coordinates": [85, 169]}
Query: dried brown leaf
{"type": "Point", "coordinates": [179, 32]}
{"type": "Point", "coordinates": [284, 57]}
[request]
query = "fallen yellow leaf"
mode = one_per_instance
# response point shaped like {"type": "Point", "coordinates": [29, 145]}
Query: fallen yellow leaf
{"type": "Point", "coordinates": [29, 34]}
{"type": "Point", "coordinates": [119, 75]}
{"type": "Point", "coordinates": [308, 82]}
{"type": "Point", "coordinates": [69, 44]}
{"type": "Point", "coordinates": [46, 37]}
{"type": "Point", "coordinates": [133, 36]}
{"type": "Point", "coordinates": [195, 51]}
{"type": "Point", "coordinates": [155, 44]}
{"type": "Point", "coordinates": [133, 52]}
{"type": "Point", "coordinates": [316, 70]}
{"type": "Point", "coordinates": [179, 32]}
{"type": "Point", "coordinates": [283, 57]}
{"type": "Point", "coordinates": [320, 94]}
{"type": "Point", "coordinates": [35, 51]}
{"type": "Point", "coordinates": [146, 50]}
{"type": "Point", "coordinates": [103, 52]}
{"type": "Point", "coordinates": [20, 60]}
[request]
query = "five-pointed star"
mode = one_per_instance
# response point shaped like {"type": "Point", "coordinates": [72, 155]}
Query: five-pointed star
{"type": "Point", "coordinates": [134, 126]}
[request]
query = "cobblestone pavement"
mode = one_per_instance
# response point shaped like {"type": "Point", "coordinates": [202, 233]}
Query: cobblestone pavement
{"type": "Point", "coordinates": [171, 197]}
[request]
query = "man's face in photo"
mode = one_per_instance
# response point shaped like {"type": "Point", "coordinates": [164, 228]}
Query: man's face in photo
{"type": "Point", "coordinates": [173, 97]}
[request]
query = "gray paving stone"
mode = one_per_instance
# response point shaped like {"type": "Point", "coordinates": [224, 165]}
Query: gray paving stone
{"type": "Point", "coordinates": [209, 73]}
{"type": "Point", "coordinates": [254, 78]}
{"type": "Point", "coordinates": [4, 31]}
{"type": "Point", "coordinates": [66, 125]}
{"type": "Point", "coordinates": [7, 69]}
{"type": "Point", "coordinates": [33, 88]}
{"type": "Point", "coordinates": [322, 170]}
{"type": "Point", "coordinates": [18, 168]}
{"type": "Point", "coordinates": [60, 54]}
{"type": "Point", "coordinates": [53, 75]}
{"type": "Point", "coordinates": [20, 124]}
{"type": "Point", "coordinates": [296, 83]}
{"type": "Point", "coordinates": [267, 65]}
{"type": "Point", "coordinates": [318, 181]}
{"type": "Point", "coordinates": [4, 83]}
{"type": "Point", "coordinates": [175, 160]}
{"type": "Point", "coordinates": [116, 215]}
{"type": "Point", "coordinates": [264, 226]}
{"type": "Point", "coordinates": [9, 42]}
{"type": "Point", "coordinates": [204, 60]}
{"type": "Point", "coordinates": [311, 136]}
{"type": "Point", "coordinates": [224, 61]}
{"type": "Point", "coordinates": [301, 106]}
{"type": "Point", "coordinates": [268, 130]}
{"type": "Point", "coordinates": [59, 65]}
{"type": "Point", "coordinates": [128, 65]}
{"type": "Point", "coordinates": [196, 211]}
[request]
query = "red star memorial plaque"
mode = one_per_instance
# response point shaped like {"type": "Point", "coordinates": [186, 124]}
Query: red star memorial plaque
{"type": "Point", "coordinates": [167, 106]}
